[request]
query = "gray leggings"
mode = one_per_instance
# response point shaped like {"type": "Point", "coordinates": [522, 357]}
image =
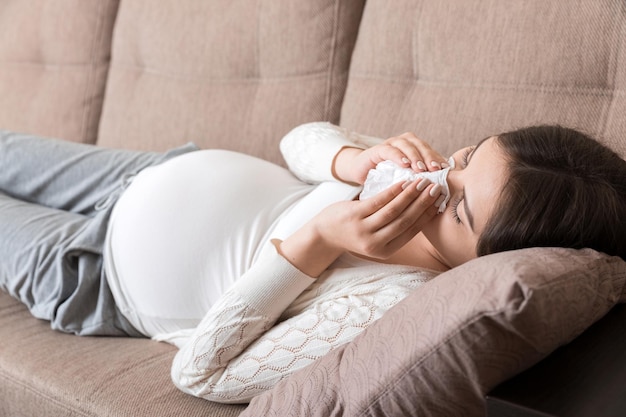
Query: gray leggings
{"type": "Point", "coordinates": [56, 198]}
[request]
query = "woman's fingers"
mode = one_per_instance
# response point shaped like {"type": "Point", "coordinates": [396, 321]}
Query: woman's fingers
{"type": "Point", "coordinates": [398, 214]}
{"type": "Point", "coordinates": [400, 232]}
{"type": "Point", "coordinates": [404, 211]}
{"type": "Point", "coordinates": [418, 154]}
{"type": "Point", "coordinates": [406, 150]}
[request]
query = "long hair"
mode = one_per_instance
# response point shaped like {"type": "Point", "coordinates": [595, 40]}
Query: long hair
{"type": "Point", "coordinates": [565, 189]}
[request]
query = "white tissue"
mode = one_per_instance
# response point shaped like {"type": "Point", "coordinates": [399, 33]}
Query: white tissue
{"type": "Point", "coordinates": [388, 173]}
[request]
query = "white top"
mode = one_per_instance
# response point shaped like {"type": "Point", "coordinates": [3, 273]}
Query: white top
{"type": "Point", "coordinates": [188, 266]}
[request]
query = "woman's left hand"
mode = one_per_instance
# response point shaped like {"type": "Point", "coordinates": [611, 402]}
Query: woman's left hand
{"type": "Point", "coordinates": [375, 228]}
{"type": "Point", "coordinates": [407, 150]}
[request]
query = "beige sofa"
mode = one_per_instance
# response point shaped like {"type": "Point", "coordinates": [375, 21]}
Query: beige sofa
{"type": "Point", "coordinates": [150, 74]}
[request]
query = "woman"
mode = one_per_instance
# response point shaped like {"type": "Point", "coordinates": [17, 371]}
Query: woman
{"type": "Point", "coordinates": [209, 249]}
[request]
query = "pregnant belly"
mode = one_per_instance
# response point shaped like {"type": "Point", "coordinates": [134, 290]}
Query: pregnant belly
{"type": "Point", "coordinates": [185, 230]}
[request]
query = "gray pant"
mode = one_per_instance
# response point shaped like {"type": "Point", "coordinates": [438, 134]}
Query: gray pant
{"type": "Point", "coordinates": [56, 198]}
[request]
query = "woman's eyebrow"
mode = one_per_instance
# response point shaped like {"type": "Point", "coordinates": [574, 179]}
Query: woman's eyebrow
{"type": "Point", "coordinates": [468, 213]}
{"type": "Point", "coordinates": [469, 157]}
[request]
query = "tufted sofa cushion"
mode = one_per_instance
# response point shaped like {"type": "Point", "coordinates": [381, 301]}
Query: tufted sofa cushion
{"type": "Point", "coordinates": [54, 58]}
{"type": "Point", "coordinates": [229, 74]}
{"type": "Point", "coordinates": [457, 71]}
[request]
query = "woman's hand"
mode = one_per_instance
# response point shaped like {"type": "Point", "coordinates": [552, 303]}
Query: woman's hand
{"type": "Point", "coordinates": [407, 150]}
{"type": "Point", "coordinates": [376, 227]}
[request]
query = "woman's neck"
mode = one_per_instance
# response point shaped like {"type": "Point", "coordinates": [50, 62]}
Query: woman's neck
{"type": "Point", "coordinates": [419, 252]}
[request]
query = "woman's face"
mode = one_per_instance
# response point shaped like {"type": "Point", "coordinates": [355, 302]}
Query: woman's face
{"type": "Point", "coordinates": [475, 186]}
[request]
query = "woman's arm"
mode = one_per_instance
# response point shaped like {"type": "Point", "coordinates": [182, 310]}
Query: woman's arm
{"type": "Point", "coordinates": [205, 366]}
{"type": "Point", "coordinates": [310, 149]}
{"type": "Point", "coordinates": [320, 151]}
{"type": "Point", "coordinates": [237, 352]}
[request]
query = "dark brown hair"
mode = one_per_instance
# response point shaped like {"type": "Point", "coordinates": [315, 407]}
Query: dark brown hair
{"type": "Point", "coordinates": [565, 189]}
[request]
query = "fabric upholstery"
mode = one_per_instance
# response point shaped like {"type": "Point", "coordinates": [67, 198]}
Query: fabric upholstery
{"type": "Point", "coordinates": [456, 71]}
{"type": "Point", "coordinates": [440, 350]}
{"type": "Point", "coordinates": [226, 74]}
{"type": "Point", "coordinates": [54, 59]}
{"type": "Point", "coordinates": [53, 374]}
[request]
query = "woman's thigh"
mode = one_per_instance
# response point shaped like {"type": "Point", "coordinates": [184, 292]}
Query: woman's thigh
{"type": "Point", "coordinates": [51, 261]}
{"type": "Point", "coordinates": [32, 240]}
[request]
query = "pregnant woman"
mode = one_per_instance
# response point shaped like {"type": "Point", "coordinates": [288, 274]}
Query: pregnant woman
{"type": "Point", "coordinates": [253, 270]}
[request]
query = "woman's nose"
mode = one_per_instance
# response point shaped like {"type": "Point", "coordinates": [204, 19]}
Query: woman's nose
{"type": "Point", "coordinates": [455, 181]}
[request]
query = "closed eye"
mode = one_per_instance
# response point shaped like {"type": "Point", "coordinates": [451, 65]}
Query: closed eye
{"type": "Point", "coordinates": [454, 209]}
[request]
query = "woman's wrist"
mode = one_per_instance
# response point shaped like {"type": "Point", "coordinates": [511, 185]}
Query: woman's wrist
{"type": "Point", "coordinates": [343, 163]}
{"type": "Point", "coordinates": [307, 250]}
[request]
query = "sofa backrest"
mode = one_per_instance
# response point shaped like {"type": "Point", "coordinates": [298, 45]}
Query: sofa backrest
{"type": "Point", "coordinates": [240, 74]}
{"type": "Point", "coordinates": [456, 71]}
{"type": "Point", "coordinates": [54, 58]}
{"type": "Point", "coordinates": [233, 74]}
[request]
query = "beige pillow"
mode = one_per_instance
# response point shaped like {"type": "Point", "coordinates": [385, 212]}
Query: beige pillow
{"type": "Point", "coordinates": [445, 346]}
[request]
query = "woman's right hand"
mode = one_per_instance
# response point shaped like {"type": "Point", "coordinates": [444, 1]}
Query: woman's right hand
{"type": "Point", "coordinates": [407, 150]}
{"type": "Point", "coordinates": [376, 227]}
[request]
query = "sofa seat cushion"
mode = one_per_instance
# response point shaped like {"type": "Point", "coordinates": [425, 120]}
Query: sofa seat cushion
{"type": "Point", "coordinates": [47, 373]}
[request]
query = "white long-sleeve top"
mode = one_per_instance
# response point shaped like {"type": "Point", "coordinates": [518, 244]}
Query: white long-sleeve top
{"type": "Point", "coordinates": [274, 320]}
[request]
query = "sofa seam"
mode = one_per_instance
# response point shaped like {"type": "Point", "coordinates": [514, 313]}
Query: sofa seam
{"type": "Point", "coordinates": [415, 39]}
{"type": "Point", "coordinates": [614, 70]}
{"type": "Point", "coordinates": [62, 404]}
{"type": "Point", "coordinates": [322, 74]}
{"type": "Point", "coordinates": [331, 61]}
{"type": "Point", "coordinates": [544, 88]}
{"type": "Point", "coordinates": [50, 66]}
{"type": "Point", "coordinates": [251, 104]}
{"type": "Point", "coordinates": [91, 76]}
{"type": "Point", "coordinates": [415, 67]}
